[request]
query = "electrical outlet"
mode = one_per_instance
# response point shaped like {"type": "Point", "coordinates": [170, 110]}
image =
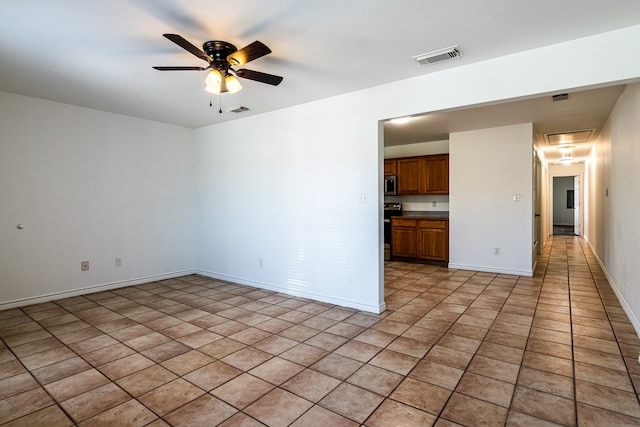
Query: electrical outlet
{"type": "Point", "coordinates": [496, 251]}
{"type": "Point", "coordinates": [84, 265]}
{"type": "Point", "coordinates": [260, 261]}
{"type": "Point", "coordinates": [433, 204]}
{"type": "Point", "coordinates": [118, 262]}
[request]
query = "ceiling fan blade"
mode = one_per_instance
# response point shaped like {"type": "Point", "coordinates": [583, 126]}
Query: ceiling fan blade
{"type": "Point", "coordinates": [188, 46]}
{"type": "Point", "coordinates": [259, 77]}
{"type": "Point", "coordinates": [248, 53]}
{"type": "Point", "coordinates": [179, 68]}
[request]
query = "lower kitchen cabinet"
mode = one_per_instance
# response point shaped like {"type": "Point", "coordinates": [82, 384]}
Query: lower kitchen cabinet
{"type": "Point", "coordinates": [433, 240]}
{"type": "Point", "coordinates": [403, 238]}
{"type": "Point", "coordinates": [420, 239]}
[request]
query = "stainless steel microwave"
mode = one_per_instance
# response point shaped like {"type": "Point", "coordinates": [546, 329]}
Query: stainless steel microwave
{"type": "Point", "coordinates": [390, 185]}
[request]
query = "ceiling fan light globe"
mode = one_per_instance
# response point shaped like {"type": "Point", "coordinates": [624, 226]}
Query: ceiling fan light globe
{"type": "Point", "coordinates": [233, 84]}
{"type": "Point", "coordinates": [212, 81]}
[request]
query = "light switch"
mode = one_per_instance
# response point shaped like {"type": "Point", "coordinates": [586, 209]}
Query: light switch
{"type": "Point", "coordinates": [517, 197]}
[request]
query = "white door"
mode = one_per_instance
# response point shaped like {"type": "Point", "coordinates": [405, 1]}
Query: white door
{"type": "Point", "coordinates": [576, 205]}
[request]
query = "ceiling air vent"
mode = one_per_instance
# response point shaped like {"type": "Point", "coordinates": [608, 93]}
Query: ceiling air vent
{"type": "Point", "coordinates": [238, 109]}
{"type": "Point", "coordinates": [438, 55]}
{"type": "Point", "coordinates": [560, 97]}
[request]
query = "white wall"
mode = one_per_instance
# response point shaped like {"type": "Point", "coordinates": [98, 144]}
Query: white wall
{"type": "Point", "coordinates": [417, 149]}
{"type": "Point", "coordinates": [615, 233]}
{"type": "Point", "coordinates": [487, 168]}
{"type": "Point", "coordinates": [89, 185]}
{"type": "Point", "coordinates": [285, 189]}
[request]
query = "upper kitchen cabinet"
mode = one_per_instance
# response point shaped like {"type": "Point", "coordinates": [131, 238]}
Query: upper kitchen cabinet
{"type": "Point", "coordinates": [422, 174]}
{"type": "Point", "coordinates": [390, 167]}
{"type": "Point", "coordinates": [409, 173]}
{"type": "Point", "coordinates": [436, 174]}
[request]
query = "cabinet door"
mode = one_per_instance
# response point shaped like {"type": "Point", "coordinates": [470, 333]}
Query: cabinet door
{"type": "Point", "coordinates": [390, 167]}
{"type": "Point", "coordinates": [403, 237]}
{"type": "Point", "coordinates": [436, 174]}
{"type": "Point", "coordinates": [404, 242]}
{"type": "Point", "coordinates": [409, 175]}
{"type": "Point", "coordinates": [433, 240]}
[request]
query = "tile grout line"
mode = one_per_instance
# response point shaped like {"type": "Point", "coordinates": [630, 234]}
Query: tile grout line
{"type": "Point", "coordinates": [633, 386]}
{"type": "Point", "coordinates": [573, 356]}
{"type": "Point", "coordinates": [42, 386]}
{"type": "Point", "coordinates": [524, 351]}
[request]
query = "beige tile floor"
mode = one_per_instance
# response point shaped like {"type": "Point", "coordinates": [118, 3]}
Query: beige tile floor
{"type": "Point", "coordinates": [453, 348]}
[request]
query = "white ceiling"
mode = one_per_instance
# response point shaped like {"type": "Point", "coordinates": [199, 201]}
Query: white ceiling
{"type": "Point", "coordinates": [99, 54]}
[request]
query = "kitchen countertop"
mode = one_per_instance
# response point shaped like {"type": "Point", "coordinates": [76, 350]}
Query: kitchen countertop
{"type": "Point", "coordinates": [426, 214]}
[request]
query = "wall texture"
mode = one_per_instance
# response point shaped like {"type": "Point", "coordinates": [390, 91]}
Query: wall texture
{"type": "Point", "coordinates": [89, 185]}
{"type": "Point", "coordinates": [615, 200]}
{"type": "Point", "coordinates": [487, 169]}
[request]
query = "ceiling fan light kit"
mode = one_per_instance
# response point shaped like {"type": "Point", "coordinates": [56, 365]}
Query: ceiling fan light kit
{"type": "Point", "coordinates": [221, 56]}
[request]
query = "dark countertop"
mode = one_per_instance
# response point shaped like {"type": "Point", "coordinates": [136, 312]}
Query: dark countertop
{"type": "Point", "coordinates": [426, 214]}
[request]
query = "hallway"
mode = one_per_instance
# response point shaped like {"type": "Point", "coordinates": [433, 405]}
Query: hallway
{"type": "Point", "coordinates": [453, 348]}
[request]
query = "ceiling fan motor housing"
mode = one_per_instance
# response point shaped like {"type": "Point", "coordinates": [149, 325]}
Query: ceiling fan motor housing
{"type": "Point", "coordinates": [218, 52]}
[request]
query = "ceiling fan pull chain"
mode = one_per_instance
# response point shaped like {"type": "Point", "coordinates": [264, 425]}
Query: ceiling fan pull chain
{"type": "Point", "coordinates": [210, 103]}
{"type": "Point", "coordinates": [220, 105]}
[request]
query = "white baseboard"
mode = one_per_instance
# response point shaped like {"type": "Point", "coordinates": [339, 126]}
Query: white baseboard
{"type": "Point", "coordinates": [296, 292]}
{"type": "Point", "coordinates": [527, 273]}
{"type": "Point", "coordinates": [91, 289]}
{"type": "Point", "coordinates": [616, 290]}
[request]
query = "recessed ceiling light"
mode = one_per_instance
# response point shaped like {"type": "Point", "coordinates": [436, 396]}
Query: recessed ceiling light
{"type": "Point", "coordinates": [401, 120]}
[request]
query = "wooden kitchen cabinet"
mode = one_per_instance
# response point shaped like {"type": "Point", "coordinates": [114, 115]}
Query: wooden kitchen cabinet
{"type": "Point", "coordinates": [436, 174]}
{"type": "Point", "coordinates": [420, 239]}
{"type": "Point", "coordinates": [403, 237]}
{"type": "Point", "coordinates": [433, 240]}
{"type": "Point", "coordinates": [409, 172]}
{"type": "Point", "coordinates": [421, 174]}
{"type": "Point", "coordinates": [390, 167]}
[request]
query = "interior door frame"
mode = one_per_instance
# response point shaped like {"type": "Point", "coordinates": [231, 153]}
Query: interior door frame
{"type": "Point", "coordinates": [576, 169]}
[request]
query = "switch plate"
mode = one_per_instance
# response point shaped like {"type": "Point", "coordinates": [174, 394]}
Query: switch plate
{"type": "Point", "coordinates": [84, 265]}
{"type": "Point", "coordinates": [496, 251]}
{"type": "Point", "coordinates": [363, 197]}
{"type": "Point", "coordinates": [118, 262]}
{"type": "Point", "coordinates": [517, 197]}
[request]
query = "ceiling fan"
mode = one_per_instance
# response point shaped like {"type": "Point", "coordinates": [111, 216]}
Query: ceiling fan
{"type": "Point", "coordinates": [222, 57]}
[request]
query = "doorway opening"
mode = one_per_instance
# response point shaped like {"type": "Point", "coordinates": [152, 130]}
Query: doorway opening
{"type": "Point", "coordinates": [566, 203]}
